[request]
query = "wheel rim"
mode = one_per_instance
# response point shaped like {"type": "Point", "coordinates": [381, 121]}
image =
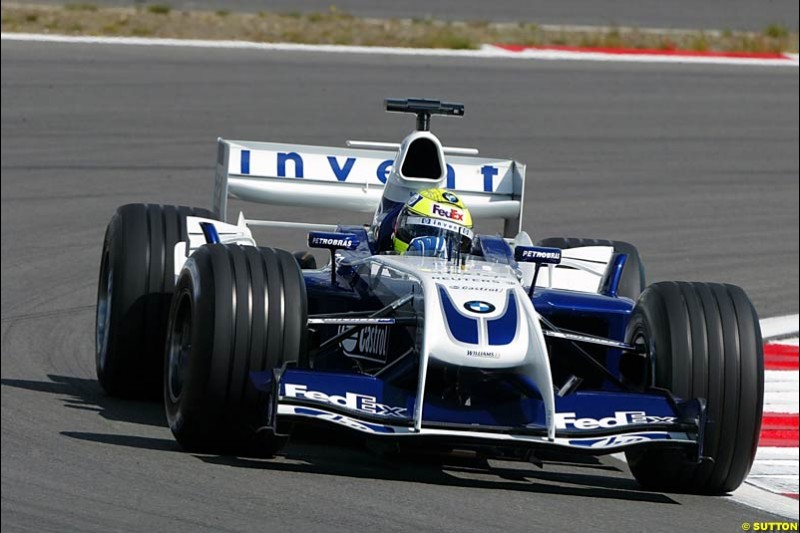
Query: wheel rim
{"type": "Point", "coordinates": [179, 346]}
{"type": "Point", "coordinates": [640, 342]}
{"type": "Point", "coordinates": [103, 318]}
{"type": "Point", "coordinates": [644, 345]}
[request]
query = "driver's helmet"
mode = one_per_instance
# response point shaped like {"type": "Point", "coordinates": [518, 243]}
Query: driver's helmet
{"type": "Point", "coordinates": [434, 222]}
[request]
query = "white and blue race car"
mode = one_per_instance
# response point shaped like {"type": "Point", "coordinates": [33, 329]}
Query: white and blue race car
{"type": "Point", "coordinates": [508, 348]}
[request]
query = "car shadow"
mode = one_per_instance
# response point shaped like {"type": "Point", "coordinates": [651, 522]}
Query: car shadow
{"type": "Point", "coordinates": [461, 472]}
{"type": "Point", "coordinates": [86, 395]}
{"type": "Point", "coordinates": [586, 478]}
{"type": "Point", "coordinates": [337, 453]}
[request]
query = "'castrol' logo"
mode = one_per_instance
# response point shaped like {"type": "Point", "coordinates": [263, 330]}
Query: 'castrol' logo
{"type": "Point", "coordinates": [452, 214]}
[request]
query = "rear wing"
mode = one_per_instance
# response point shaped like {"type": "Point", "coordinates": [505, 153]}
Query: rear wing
{"type": "Point", "coordinates": [353, 179]}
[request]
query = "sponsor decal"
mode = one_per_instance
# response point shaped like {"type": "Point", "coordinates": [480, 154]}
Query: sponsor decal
{"type": "Point", "coordinates": [614, 441]}
{"type": "Point", "coordinates": [372, 342]}
{"type": "Point", "coordinates": [477, 306]}
{"type": "Point", "coordinates": [342, 420]}
{"type": "Point", "coordinates": [340, 168]}
{"type": "Point", "coordinates": [476, 288]}
{"type": "Point", "coordinates": [350, 400]}
{"type": "Point", "coordinates": [450, 197]}
{"type": "Point", "coordinates": [474, 277]}
{"type": "Point", "coordinates": [439, 223]}
{"type": "Point", "coordinates": [620, 418]}
{"type": "Point", "coordinates": [318, 239]}
{"type": "Point", "coordinates": [452, 214]}
{"type": "Point", "coordinates": [537, 254]}
{"type": "Point", "coordinates": [483, 353]}
{"type": "Point", "coordinates": [324, 241]}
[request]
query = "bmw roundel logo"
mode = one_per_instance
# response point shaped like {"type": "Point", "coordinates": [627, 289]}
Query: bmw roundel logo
{"type": "Point", "coordinates": [479, 307]}
{"type": "Point", "coordinates": [450, 197]}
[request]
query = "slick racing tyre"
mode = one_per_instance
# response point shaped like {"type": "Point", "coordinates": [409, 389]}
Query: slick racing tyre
{"type": "Point", "coordinates": [703, 341]}
{"type": "Point", "coordinates": [236, 310]}
{"type": "Point", "coordinates": [305, 259]}
{"type": "Point", "coordinates": [632, 282]}
{"type": "Point", "coordinates": [133, 296]}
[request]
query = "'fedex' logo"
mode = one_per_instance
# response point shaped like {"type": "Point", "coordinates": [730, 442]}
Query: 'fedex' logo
{"type": "Point", "coordinates": [620, 418]}
{"type": "Point", "coordinates": [350, 400]}
{"type": "Point", "coordinates": [452, 214]}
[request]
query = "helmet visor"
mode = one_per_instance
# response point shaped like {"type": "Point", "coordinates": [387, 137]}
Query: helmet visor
{"type": "Point", "coordinates": [410, 227]}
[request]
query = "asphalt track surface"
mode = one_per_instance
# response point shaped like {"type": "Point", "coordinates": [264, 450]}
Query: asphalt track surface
{"type": "Point", "coordinates": [753, 15]}
{"type": "Point", "coordinates": [697, 165]}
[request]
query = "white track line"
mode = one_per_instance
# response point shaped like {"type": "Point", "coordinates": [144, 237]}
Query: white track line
{"type": "Point", "coordinates": [760, 498]}
{"type": "Point", "coordinates": [776, 467]}
{"type": "Point", "coordinates": [249, 45]}
{"type": "Point", "coordinates": [486, 51]}
{"type": "Point", "coordinates": [788, 342]}
{"type": "Point", "coordinates": [781, 391]}
{"type": "Point", "coordinates": [780, 326]}
{"type": "Point", "coordinates": [774, 403]}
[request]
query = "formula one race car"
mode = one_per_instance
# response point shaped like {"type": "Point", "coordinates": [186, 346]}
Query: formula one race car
{"type": "Point", "coordinates": [418, 331]}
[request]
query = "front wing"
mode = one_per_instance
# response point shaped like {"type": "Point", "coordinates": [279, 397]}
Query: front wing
{"type": "Point", "coordinates": [588, 422]}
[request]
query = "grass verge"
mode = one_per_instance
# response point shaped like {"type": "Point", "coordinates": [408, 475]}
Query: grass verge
{"type": "Point", "coordinates": [338, 27]}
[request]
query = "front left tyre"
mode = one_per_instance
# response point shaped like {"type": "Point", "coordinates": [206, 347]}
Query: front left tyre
{"type": "Point", "coordinates": [236, 310]}
{"type": "Point", "coordinates": [134, 293]}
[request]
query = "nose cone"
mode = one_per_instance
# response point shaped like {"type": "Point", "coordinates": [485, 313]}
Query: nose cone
{"type": "Point", "coordinates": [482, 332]}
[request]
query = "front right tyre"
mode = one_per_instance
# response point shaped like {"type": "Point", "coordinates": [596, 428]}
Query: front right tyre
{"type": "Point", "coordinates": [702, 340]}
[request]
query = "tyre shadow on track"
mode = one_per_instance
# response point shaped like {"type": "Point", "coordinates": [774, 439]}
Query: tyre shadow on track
{"type": "Point", "coordinates": [128, 441]}
{"type": "Point", "coordinates": [85, 394]}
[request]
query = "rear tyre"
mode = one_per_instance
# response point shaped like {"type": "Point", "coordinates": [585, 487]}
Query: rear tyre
{"type": "Point", "coordinates": [703, 341]}
{"type": "Point", "coordinates": [632, 282]}
{"type": "Point", "coordinates": [305, 259]}
{"type": "Point", "coordinates": [236, 310]}
{"type": "Point", "coordinates": [133, 296]}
